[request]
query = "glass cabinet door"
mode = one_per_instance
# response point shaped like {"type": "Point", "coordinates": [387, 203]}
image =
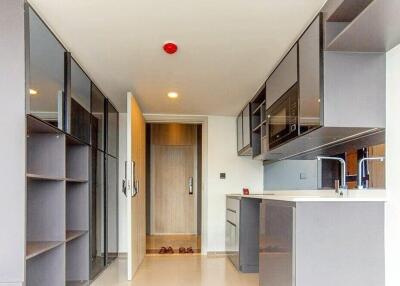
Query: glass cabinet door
{"type": "Point", "coordinates": [98, 118]}
{"type": "Point", "coordinates": [112, 208]}
{"type": "Point", "coordinates": [246, 126]}
{"type": "Point", "coordinates": [97, 214]}
{"type": "Point", "coordinates": [310, 50]}
{"type": "Point", "coordinates": [80, 103]}
{"type": "Point", "coordinates": [239, 131]}
{"type": "Point", "coordinates": [112, 130]}
{"type": "Point", "coordinates": [46, 73]}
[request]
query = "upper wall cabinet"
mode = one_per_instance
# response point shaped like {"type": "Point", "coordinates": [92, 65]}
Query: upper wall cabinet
{"type": "Point", "coordinates": [112, 130]}
{"type": "Point", "coordinates": [98, 118]}
{"type": "Point", "coordinates": [243, 124]}
{"type": "Point", "coordinates": [310, 54]}
{"type": "Point", "coordinates": [80, 103]}
{"type": "Point", "coordinates": [45, 74]}
{"type": "Point", "coordinates": [362, 25]}
{"type": "Point", "coordinates": [283, 78]}
{"type": "Point", "coordinates": [311, 98]}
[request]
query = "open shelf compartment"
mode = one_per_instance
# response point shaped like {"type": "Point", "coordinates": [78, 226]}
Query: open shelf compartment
{"type": "Point", "coordinates": [77, 160]}
{"type": "Point", "coordinates": [45, 211]}
{"type": "Point", "coordinates": [77, 260]}
{"type": "Point", "coordinates": [364, 26]}
{"type": "Point", "coordinates": [77, 202]}
{"type": "Point", "coordinates": [48, 268]}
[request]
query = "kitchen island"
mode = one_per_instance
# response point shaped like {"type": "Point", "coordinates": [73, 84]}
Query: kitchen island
{"type": "Point", "coordinates": [309, 238]}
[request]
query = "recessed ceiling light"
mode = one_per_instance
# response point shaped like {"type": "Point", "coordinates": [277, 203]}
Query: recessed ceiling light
{"type": "Point", "coordinates": [33, 92]}
{"type": "Point", "coordinates": [172, 94]}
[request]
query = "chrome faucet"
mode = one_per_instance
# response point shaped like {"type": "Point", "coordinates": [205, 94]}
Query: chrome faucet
{"type": "Point", "coordinates": [360, 168]}
{"type": "Point", "coordinates": [343, 184]}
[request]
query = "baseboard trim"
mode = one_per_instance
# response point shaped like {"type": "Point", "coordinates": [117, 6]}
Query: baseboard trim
{"type": "Point", "coordinates": [216, 253]}
{"type": "Point", "coordinates": [122, 255]}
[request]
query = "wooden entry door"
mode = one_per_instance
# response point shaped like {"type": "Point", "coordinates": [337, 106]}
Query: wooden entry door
{"type": "Point", "coordinates": [173, 179]}
{"type": "Point", "coordinates": [136, 180]}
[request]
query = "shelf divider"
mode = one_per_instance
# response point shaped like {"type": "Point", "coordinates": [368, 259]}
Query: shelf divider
{"type": "Point", "coordinates": [73, 234]}
{"type": "Point", "coordinates": [35, 248]}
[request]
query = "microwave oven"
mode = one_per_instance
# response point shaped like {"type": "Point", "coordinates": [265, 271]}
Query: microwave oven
{"type": "Point", "coordinates": [282, 118]}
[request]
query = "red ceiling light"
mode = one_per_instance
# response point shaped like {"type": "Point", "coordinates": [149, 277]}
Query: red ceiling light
{"type": "Point", "coordinates": [170, 48]}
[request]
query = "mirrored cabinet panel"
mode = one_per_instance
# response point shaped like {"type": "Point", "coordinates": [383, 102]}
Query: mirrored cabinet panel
{"type": "Point", "coordinates": [98, 118]}
{"type": "Point", "coordinates": [112, 130]}
{"type": "Point", "coordinates": [45, 65]}
{"type": "Point", "coordinates": [80, 103]}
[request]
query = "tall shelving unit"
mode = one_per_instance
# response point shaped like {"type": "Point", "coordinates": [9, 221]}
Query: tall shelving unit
{"type": "Point", "coordinates": [57, 237]}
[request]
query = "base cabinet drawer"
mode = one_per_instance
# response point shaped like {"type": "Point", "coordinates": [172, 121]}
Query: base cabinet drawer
{"type": "Point", "coordinates": [241, 233]}
{"type": "Point", "coordinates": [233, 204]}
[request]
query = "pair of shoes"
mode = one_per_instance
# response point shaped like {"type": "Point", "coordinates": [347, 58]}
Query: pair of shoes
{"type": "Point", "coordinates": [164, 250]}
{"type": "Point", "coordinates": [186, 250]}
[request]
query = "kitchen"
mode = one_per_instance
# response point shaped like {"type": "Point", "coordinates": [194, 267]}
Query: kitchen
{"type": "Point", "coordinates": [321, 110]}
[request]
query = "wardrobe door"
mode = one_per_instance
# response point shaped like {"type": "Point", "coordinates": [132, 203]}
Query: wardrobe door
{"type": "Point", "coordinates": [80, 103]}
{"type": "Point", "coordinates": [45, 63]}
{"type": "Point", "coordinates": [112, 130]}
{"type": "Point", "coordinates": [97, 214]}
{"type": "Point", "coordinates": [112, 208]}
{"type": "Point", "coordinates": [98, 118]}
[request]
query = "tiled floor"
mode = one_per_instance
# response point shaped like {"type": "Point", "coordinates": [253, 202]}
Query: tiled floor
{"type": "Point", "coordinates": [155, 242]}
{"type": "Point", "coordinates": [173, 270]}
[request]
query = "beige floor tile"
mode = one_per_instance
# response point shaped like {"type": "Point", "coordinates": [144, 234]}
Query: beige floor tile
{"type": "Point", "coordinates": [170, 270]}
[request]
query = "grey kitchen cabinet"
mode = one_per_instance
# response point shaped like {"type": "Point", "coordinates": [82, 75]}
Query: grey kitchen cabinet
{"type": "Point", "coordinates": [241, 240]}
{"type": "Point", "coordinates": [310, 54]}
{"type": "Point", "coordinates": [321, 243]}
{"type": "Point", "coordinates": [331, 86]}
{"type": "Point", "coordinates": [239, 131]}
{"type": "Point", "coordinates": [243, 126]}
{"type": "Point", "coordinates": [282, 78]}
{"type": "Point", "coordinates": [246, 126]}
{"type": "Point", "coordinates": [276, 244]}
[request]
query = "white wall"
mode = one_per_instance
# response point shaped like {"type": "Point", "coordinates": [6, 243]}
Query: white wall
{"type": "Point", "coordinates": [122, 218]}
{"type": "Point", "coordinates": [392, 167]}
{"type": "Point", "coordinates": [240, 172]}
{"type": "Point", "coordinates": [219, 156]}
{"type": "Point", "coordinates": [12, 143]}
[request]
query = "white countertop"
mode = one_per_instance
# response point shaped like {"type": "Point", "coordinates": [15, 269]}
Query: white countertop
{"type": "Point", "coordinates": [370, 195]}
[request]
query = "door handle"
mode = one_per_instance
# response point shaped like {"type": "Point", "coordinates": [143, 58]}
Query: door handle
{"type": "Point", "coordinates": [135, 187]}
{"type": "Point", "coordinates": [126, 186]}
{"type": "Point", "coordinates": [191, 186]}
{"type": "Point", "coordinates": [129, 184]}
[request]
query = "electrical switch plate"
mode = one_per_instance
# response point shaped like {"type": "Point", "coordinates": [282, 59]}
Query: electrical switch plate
{"type": "Point", "coordinates": [303, 176]}
{"type": "Point", "coordinates": [222, 176]}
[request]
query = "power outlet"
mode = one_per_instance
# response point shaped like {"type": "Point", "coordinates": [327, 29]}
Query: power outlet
{"type": "Point", "coordinates": [303, 176]}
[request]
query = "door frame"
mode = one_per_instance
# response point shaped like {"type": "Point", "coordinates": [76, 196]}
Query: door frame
{"type": "Point", "coordinates": [128, 197]}
{"type": "Point", "coordinates": [195, 177]}
{"type": "Point", "coordinates": [203, 121]}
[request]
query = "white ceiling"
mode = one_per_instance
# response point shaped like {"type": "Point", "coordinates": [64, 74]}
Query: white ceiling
{"type": "Point", "coordinates": [226, 47]}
